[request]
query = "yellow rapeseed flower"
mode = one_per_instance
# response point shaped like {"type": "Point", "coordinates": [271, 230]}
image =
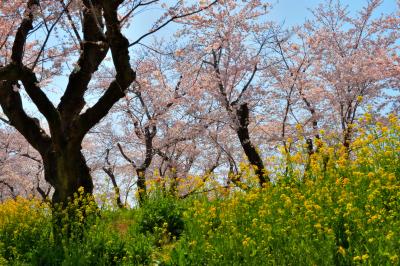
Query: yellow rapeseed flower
{"type": "Point", "coordinates": [342, 251]}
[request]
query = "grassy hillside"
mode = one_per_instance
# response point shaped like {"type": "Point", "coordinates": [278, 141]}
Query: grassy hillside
{"type": "Point", "coordinates": [341, 210]}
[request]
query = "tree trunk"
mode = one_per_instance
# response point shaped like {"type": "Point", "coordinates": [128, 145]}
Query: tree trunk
{"type": "Point", "coordinates": [66, 171]}
{"type": "Point", "coordinates": [347, 138]}
{"type": "Point", "coordinates": [117, 192]}
{"type": "Point", "coordinates": [141, 185]}
{"type": "Point", "coordinates": [248, 147]}
{"type": "Point", "coordinates": [174, 182]}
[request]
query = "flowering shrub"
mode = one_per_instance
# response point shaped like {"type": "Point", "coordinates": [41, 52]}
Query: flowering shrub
{"type": "Point", "coordinates": [158, 212]}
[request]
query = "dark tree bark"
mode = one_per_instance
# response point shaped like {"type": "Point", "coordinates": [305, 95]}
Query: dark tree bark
{"type": "Point", "coordinates": [248, 147]}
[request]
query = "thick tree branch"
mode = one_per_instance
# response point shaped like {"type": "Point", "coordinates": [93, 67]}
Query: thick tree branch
{"type": "Point", "coordinates": [4, 120]}
{"type": "Point", "coordinates": [22, 32]}
{"type": "Point", "coordinates": [95, 49]}
{"type": "Point", "coordinates": [124, 77]}
{"type": "Point", "coordinates": [14, 72]}
{"type": "Point", "coordinates": [29, 127]}
{"type": "Point", "coordinates": [39, 98]}
{"type": "Point", "coordinates": [10, 99]}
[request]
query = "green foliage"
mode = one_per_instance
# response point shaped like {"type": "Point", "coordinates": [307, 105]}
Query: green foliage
{"type": "Point", "coordinates": [161, 211]}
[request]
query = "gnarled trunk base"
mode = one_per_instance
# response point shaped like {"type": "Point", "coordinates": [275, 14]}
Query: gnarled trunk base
{"type": "Point", "coordinates": [67, 172]}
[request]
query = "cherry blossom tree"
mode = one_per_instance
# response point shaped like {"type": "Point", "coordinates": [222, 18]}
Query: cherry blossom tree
{"type": "Point", "coordinates": [332, 68]}
{"type": "Point", "coordinates": [95, 28]}
{"type": "Point", "coordinates": [150, 122]}
{"type": "Point", "coordinates": [21, 170]}
{"type": "Point", "coordinates": [356, 61]}
{"type": "Point", "coordinates": [229, 45]}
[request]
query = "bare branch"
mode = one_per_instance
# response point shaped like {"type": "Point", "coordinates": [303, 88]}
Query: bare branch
{"type": "Point", "coordinates": [173, 18]}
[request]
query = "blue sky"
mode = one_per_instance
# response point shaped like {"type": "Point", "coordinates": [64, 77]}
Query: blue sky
{"type": "Point", "coordinates": [296, 11]}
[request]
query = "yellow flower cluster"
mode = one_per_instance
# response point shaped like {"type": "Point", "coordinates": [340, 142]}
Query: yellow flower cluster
{"type": "Point", "coordinates": [21, 221]}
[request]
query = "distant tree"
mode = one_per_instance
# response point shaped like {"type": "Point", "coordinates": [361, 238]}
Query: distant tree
{"type": "Point", "coordinates": [226, 55]}
{"type": "Point", "coordinates": [21, 170]}
{"type": "Point", "coordinates": [355, 63]}
{"type": "Point", "coordinates": [148, 122]}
